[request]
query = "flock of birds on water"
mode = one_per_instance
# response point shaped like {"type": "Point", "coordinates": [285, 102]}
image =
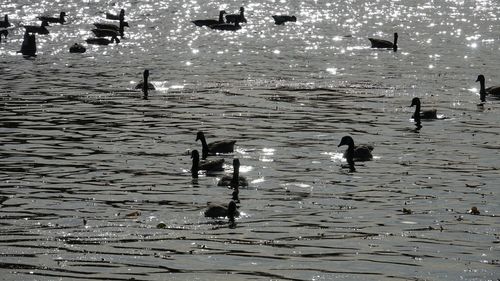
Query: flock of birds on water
{"type": "Point", "coordinates": [354, 153]}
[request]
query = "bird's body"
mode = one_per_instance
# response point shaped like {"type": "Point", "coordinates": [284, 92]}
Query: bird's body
{"type": "Point", "coordinates": [362, 153]}
{"type": "Point", "coordinates": [59, 19]}
{"type": "Point", "coordinates": [42, 29]}
{"type": "Point", "coordinates": [209, 166]}
{"type": "Point", "coordinates": [226, 26]}
{"type": "Point", "coordinates": [384, 44]}
{"type": "Point", "coordinates": [234, 180]}
{"type": "Point", "coordinates": [210, 22]}
{"type": "Point", "coordinates": [105, 32]}
{"type": "Point", "coordinates": [77, 48]}
{"type": "Point", "coordinates": [109, 26]}
{"type": "Point", "coordinates": [102, 41]}
{"type": "Point", "coordinates": [233, 18]}
{"type": "Point", "coordinates": [222, 146]}
{"type": "Point", "coordinates": [217, 210]}
{"type": "Point", "coordinates": [5, 22]}
{"type": "Point", "coordinates": [493, 91]}
{"type": "Point", "coordinates": [281, 19]}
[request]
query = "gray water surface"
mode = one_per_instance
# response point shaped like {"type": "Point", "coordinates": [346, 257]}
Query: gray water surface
{"type": "Point", "coordinates": [90, 170]}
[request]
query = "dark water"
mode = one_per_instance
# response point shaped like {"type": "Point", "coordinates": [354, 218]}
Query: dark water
{"type": "Point", "coordinates": [89, 169]}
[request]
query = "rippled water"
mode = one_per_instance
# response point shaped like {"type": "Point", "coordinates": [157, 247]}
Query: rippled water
{"type": "Point", "coordinates": [89, 169]}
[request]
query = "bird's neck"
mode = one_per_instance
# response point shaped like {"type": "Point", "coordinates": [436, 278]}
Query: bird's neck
{"type": "Point", "coordinates": [204, 150]}
{"type": "Point", "coordinates": [195, 168]}
{"type": "Point", "coordinates": [236, 176]}
{"type": "Point", "coordinates": [482, 92]}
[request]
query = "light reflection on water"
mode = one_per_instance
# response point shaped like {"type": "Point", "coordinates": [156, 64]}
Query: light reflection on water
{"type": "Point", "coordinates": [90, 169]}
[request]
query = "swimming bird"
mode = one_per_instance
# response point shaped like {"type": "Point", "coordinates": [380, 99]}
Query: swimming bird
{"type": "Point", "coordinates": [237, 17]}
{"type": "Point", "coordinates": [279, 20]}
{"type": "Point", "coordinates": [28, 48]}
{"type": "Point", "coordinates": [234, 180]}
{"type": "Point", "coordinates": [120, 16]}
{"type": "Point", "coordinates": [209, 166]}
{"type": "Point", "coordinates": [5, 22]}
{"type": "Point", "coordinates": [360, 153]}
{"type": "Point", "coordinates": [59, 19]}
{"type": "Point", "coordinates": [145, 85]}
{"type": "Point", "coordinates": [218, 211]}
{"type": "Point", "coordinates": [222, 146]}
{"type": "Point", "coordinates": [425, 114]}
{"type": "Point", "coordinates": [77, 48]}
{"type": "Point", "coordinates": [226, 26]}
{"type": "Point", "coordinates": [37, 29]}
{"type": "Point", "coordinates": [109, 26]}
{"type": "Point", "coordinates": [210, 21]}
{"type": "Point", "coordinates": [493, 91]}
{"type": "Point", "coordinates": [102, 41]}
{"type": "Point", "coordinates": [380, 43]}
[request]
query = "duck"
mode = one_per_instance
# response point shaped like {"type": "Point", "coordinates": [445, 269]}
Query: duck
{"type": "Point", "coordinates": [109, 26]}
{"type": "Point", "coordinates": [59, 19]}
{"type": "Point", "coordinates": [77, 48]}
{"type": "Point", "coordinates": [425, 114]}
{"type": "Point", "coordinates": [37, 29]}
{"type": "Point", "coordinates": [211, 21]}
{"type": "Point", "coordinates": [209, 166]}
{"type": "Point", "coordinates": [142, 85]}
{"type": "Point", "coordinates": [5, 22]}
{"type": "Point", "coordinates": [349, 154]}
{"type": "Point", "coordinates": [493, 91]}
{"type": "Point", "coordinates": [281, 19]}
{"type": "Point", "coordinates": [28, 48]}
{"type": "Point", "coordinates": [234, 180]}
{"type": "Point", "coordinates": [120, 16]}
{"type": "Point", "coordinates": [233, 18]}
{"type": "Point", "coordinates": [105, 32]}
{"type": "Point", "coordinates": [226, 26]}
{"type": "Point", "coordinates": [222, 146]}
{"type": "Point", "coordinates": [102, 41]}
{"type": "Point", "coordinates": [384, 44]}
{"type": "Point", "coordinates": [217, 210]}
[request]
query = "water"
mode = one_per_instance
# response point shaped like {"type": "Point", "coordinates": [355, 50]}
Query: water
{"type": "Point", "coordinates": [89, 169]}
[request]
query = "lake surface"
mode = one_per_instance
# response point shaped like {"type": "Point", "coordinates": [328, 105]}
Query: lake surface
{"type": "Point", "coordinates": [96, 183]}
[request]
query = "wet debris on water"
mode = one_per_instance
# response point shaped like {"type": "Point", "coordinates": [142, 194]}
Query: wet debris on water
{"type": "Point", "coordinates": [134, 214]}
{"type": "Point", "coordinates": [407, 211]}
{"type": "Point", "coordinates": [161, 225]}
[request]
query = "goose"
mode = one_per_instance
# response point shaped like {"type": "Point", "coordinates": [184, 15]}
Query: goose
{"type": "Point", "coordinates": [237, 17]}
{"type": "Point", "coordinates": [425, 114]}
{"type": "Point", "coordinates": [105, 32]}
{"type": "Point", "coordinates": [210, 22]}
{"type": "Point", "coordinates": [218, 211]}
{"type": "Point", "coordinates": [37, 29]}
{"type": "Point", "coordinates": [28, 48]}
{"type": "Point", "coordinates": [493, 91]}
{"type": "Point", "coordinates": [102, 41]}
{"type": "Point", "coordinates": [234, 180]}
{"type": "Point", "coordinates": [209, 166]}
{"type": "Point", "coordinates": [380, 43]}
{"type": "Point", "coordinates": [222, 146]}
{"type": "Point", "coordinates": [120, 16]}
{"type": "Point", "coordinates": [5, 22]}
{"type": "Point", "coordinates": [48, 19]}
{"type": "Point", "coordinates": [144, 85]}
{"type": "Point", "coordinates": [361, 153]}
{"type": "Point", "coordinates": [77, 48]}
{"type": "Point", "coordinates": [109, 26]}
{"type": "Point", "coordinates": [279, 20]}
{"type": "Point", "coordinates": [226, 26]}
